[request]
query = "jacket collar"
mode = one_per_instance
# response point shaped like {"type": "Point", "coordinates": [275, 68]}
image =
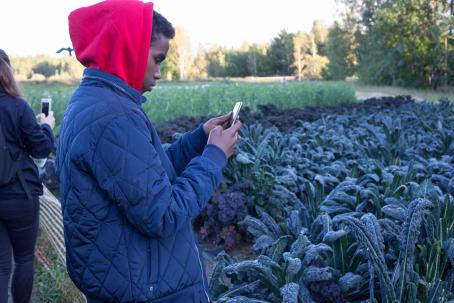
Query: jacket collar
{"type": "Point", "coordinates": [93, 74]}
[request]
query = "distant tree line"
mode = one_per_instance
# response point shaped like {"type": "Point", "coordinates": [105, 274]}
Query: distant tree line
{"type": "Point", "coordinates": [394, 42]}
{"type": "Point", "coordinates": [383, 42]}
{"type": "Point", "coordinates": [298, 54]}
{"type": "Point", "coordinates": [43, 67]}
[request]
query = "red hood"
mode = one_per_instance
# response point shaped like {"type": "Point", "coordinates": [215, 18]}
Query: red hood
{"type": "Point", "coordinates": [114, 36]}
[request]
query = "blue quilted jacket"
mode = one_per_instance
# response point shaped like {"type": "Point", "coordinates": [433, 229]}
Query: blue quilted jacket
{"type": "Point", "coordinates": [128, 204]}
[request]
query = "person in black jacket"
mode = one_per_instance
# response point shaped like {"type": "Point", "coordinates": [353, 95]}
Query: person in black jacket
{"type": "Point", "coordinates": [27, 136]}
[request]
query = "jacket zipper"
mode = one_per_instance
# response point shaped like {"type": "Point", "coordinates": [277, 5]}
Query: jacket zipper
{"type": "Point", "coordinates": [201, 269]}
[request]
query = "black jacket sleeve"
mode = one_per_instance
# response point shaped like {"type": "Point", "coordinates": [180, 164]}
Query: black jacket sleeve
{"type": "Point", "coordinates": [38, 139]}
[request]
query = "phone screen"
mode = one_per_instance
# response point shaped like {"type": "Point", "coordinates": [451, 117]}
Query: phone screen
{"type": "Point", "coordinates": [236, 112]}
{"type": "Point", "coordinates": [45, 108]}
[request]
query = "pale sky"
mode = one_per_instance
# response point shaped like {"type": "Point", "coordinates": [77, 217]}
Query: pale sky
{"type": "Point", "coordinates": [29, 27]}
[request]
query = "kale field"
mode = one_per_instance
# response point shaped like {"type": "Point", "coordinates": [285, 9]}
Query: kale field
{"type": "Point", "coordinates": [352, 207]}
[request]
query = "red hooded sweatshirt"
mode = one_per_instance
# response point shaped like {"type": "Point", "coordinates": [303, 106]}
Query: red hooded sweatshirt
{"type": "Point", "coordinates": [114, 36]}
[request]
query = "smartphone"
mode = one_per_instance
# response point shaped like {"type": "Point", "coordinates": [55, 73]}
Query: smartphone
{"type": "Point", "coordinates": [45, 106]}
{"type": "Point", "coordinates": [236, 112]}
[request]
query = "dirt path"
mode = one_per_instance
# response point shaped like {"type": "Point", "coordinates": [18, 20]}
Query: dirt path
{"type": "Point", "coordinates": [369, 91]}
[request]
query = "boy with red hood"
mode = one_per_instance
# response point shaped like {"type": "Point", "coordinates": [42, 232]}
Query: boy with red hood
{"type": "Point", "coordinates": [128, 204]}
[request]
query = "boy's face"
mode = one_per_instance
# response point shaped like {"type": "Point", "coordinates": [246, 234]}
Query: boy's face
{"type": "Point", "coordinates": [156, 54]}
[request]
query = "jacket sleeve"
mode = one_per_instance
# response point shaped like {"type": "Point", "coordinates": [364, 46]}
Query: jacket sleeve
{"type": "Point", "coordinates": [38, 139]}
{"type": "Point", "coordinates": [128, 168]}
{"type": "Point", "coordinates": [188, 146]}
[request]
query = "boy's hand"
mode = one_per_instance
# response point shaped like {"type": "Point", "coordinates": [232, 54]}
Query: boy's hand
{"type": "Point", "coordinates": [222, 121]}
{"type": "Point", "coordinates": [225, 139]}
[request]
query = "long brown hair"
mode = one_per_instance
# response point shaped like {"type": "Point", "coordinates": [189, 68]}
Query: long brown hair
{"type": "Point", "coordinates": [7, 81]}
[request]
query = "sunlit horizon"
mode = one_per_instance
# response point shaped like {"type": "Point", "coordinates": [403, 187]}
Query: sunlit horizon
{"type": "Point", "coordinates": [40, 27]}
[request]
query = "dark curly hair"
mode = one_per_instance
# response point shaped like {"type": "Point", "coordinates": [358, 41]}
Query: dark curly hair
{"type": "Point", "coordinates": [161, 26]}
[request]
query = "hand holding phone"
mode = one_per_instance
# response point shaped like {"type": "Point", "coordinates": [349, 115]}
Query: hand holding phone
{"type": "Point", "coordinates": [225, 139]}
{"type": "Point", "coordinates": [235, 113]}
{"type": "Point", "coordinates": [47, 115]}
{"type": "Point", "coordinates": [46, 105]}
